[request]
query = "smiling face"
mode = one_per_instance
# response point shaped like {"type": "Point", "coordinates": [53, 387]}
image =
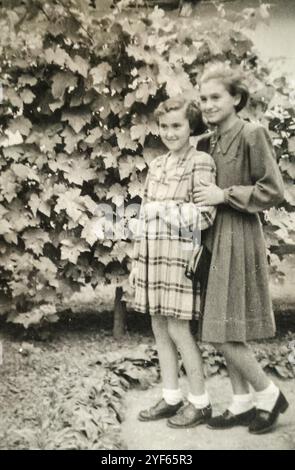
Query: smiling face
{"type": "Point", "coordinates": [217, 104]}
{"type": "Point", "coordinates": [174, 130]}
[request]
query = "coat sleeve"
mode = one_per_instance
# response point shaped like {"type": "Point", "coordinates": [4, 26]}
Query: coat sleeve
{"type": "Point", "coordinates": [204, 170]}
{"type": "Point", "coordinates": [267, 189]}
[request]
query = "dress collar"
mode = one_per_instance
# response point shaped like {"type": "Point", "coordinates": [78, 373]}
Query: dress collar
{"type": "Point", "coordinates": [225, 139]}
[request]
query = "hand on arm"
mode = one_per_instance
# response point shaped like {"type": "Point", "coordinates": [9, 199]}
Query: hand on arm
{"type": "Point", "coordinates": [208, 194]}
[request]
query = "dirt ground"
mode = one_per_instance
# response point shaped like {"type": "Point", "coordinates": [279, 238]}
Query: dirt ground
{"type": "Point", "coordinates": [78, 388]}
{"type": "Point", "coordinates": [157, 436]}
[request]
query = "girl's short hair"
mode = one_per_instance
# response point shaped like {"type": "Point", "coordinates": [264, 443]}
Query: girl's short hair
{"type": "Point", "coordinates": [232, 78]}
{"type": "Point", "coordinates": [191, 110]}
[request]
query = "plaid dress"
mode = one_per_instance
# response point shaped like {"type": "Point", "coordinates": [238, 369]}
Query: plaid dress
{"type": "Point", "coordinates": [168, 231]}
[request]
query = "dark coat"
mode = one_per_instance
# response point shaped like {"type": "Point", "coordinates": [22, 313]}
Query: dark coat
{"type": "Point", "coordinates": [238, 305]}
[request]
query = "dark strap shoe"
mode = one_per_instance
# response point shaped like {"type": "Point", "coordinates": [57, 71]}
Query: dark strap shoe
{"type": "Point", "coordinates": [264, 421]}
{"type": "Point", "coordinates": [189, 416]}
{"type": "Point", "coordinates": [159, 411]}
{"type": "Point", "coordinates": [228, 419]}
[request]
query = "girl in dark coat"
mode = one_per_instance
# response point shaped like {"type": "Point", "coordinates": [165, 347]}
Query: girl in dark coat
{"type": "Point", "coordinates": [238, 306]}
{"type": "Point", "coordinates": [161, 253]}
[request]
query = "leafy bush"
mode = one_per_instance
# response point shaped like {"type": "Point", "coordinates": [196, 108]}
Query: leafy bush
{"type": "Point", "coordinates": [79, 91]}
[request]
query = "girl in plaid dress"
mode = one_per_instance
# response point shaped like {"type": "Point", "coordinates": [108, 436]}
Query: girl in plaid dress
{"type": "Point", "coordinates": [237, 305]}
{"type": "Point", "coordinates": [168, 228]}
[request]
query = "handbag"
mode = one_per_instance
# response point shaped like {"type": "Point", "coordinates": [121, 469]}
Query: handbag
{"type": "Point", "coordinates": [198, 264]}
{"type": "Point", "coordinates": [197, 270]}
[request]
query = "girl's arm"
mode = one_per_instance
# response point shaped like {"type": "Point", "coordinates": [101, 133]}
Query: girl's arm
{"type": "Point", "coordinates": [268, 187]}
{"type": "Point", "coordinates": [204, 172]}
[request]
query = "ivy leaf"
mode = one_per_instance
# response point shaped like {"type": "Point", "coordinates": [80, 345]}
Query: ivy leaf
{"type": "Point", "coordinates": [47, 271]}
{"type": "Point", "coordinates": [138, 132]}
{"type": "Point", "coordinates": [48, 143]}
{"type": "Point", "coordinates": [61, 81]}
{"type": "Point", "coordinates": [134, 188]}
{"type": "Point", "coordinates": [54, 105]}
{"type": "Point", "coordinates": [129, 99]}
{"type": "Point", "coordinates": [70, 202]}
{"type": "Point", "coordinates": [125, 166]}
{"type": "Point", "coordinates": [26, 79]}
{"type": "Point", "coordinates": [62, 162]}
{"type": "Point", "coordinates": [35, 240]}
{"type": "Point", "coordinates": [13, 98]}
{"type": "Point", "coordinates": [20, 125]}
{"type": "Point", "coordinates": [20, 218]}
{"type": "Point", "coordinates": [13, 138]}
{"type": "Point", "coordinates": [79, 172]}
{"type": "Point", "coordinates": [5, 227]}
{"type": "Point", "coordinates": [3, 211]}
{"type": "Point", "coordinates": [15, 152]}
{"type": "Point", "coordinates": [139, 163]}
{"type": "Point", "coordinates": [77, 119]}
{"type": "Point", "coordinates": [117, 106]}
{"type": "Point", "coordinates": [57, 56]}
{"type": "Point", "coordinates": [27, 96]}
{"type": "Point", "coordinates": [108, 153]}
{"type": "Point", "coordinates": [89, 204]}
{"type": "Point", "coordinates": [117, 194]}
{"type": "Point", "coordinates": [35, 203]}
{"type": "Point", "coordinates": [94, 135]}
{"type": "Point", "coordinates": [8, 185]}
{"type": "Point", "coordinates": [100, 74]}
{"type": "Point", "coordinates": [142, 93]}
{"type": "Point", "coordinates": [124, 140]}
{"type": "Point", "coordinates": [177, 80]}
{"type": "Point", "coordinates": [11, 237]}
{"type": "Point", "coordinates": [71, 248]}
{"type": "Point", "coordinates": [121, 249]}
{"type": "Point", "coordinates": [23, 172]}
{"type": "Point", "coordinates": [100, 191]}
{"type": "Point", "coordinates": [183, 53]}
{"type": "Point", "coordinates": [94, 230]}
{"type": "Point", "coordinates": [71, 139]}
{"type": "Point", "coordinates": [80, 65]}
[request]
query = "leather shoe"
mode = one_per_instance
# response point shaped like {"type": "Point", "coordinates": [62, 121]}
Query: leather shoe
{"type": "Point", "coordinates": [264, 420]}
{"type": "Point", "coordinates": [228, 419]}
{"type": "Point", "coordinates": [189, 416]}
{"type": "Point", "coordinates": [159, 411]}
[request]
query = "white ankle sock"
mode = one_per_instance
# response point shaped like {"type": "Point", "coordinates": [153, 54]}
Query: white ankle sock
{"type": "Point", "coordinates": [199, 401]}
{"type": "Point", "coordinates": [241, 403]}
{"type": "Point", "coordinates": [265, 400]}
{"type": "Point", "coordinates": [172, 396]}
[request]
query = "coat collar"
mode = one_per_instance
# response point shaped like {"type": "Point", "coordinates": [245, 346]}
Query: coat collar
{"type": "Point", "coordinates": [226, 138]}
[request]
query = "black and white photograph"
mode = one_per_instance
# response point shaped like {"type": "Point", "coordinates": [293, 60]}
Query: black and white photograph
{"type": "Point", "coordinates": [147, 230]}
